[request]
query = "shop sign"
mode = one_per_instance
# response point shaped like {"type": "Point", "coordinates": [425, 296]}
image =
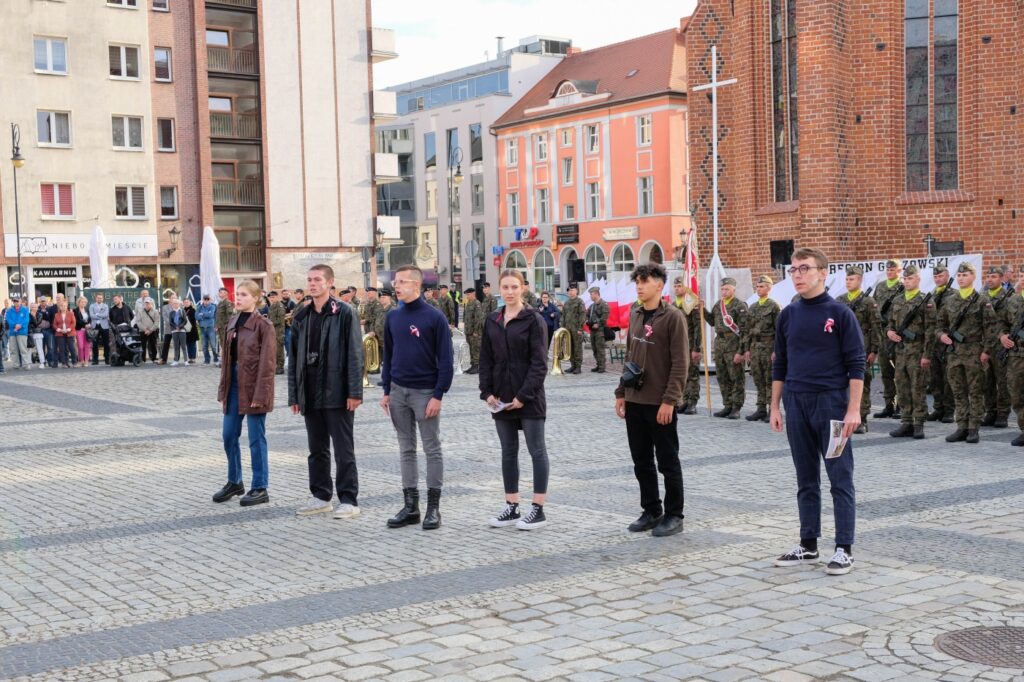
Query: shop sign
{"type": "Point", "coordinates": [568, 238]}
{"type": "Point", "coordinates": [613, 234]}
{"type": "Point", "coordinates": [77, 245]}
{"type": "Point", "coordinates": [526, 244]}
{"type": "Point", "coordinates": [567, 229]}
{"type": "Point", "coordinates": [55, 273]}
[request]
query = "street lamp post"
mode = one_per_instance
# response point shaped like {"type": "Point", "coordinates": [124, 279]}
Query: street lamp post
{"type": "Point", "coordinates": [454, 180]}
{"type": "Point", "coordinates": [17, 160]}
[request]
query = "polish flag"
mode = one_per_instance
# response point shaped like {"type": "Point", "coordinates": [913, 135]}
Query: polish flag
{"type": "Point", "coordinates": [691, 265]}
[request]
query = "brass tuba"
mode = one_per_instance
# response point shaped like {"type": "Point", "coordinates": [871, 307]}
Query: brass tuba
{"type": "Point", "coordinates": [371, 357]}
{"type": "Point", "coordinates": [561, 349]}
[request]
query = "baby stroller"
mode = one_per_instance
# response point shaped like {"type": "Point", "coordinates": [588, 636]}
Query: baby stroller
{"type": "Point", "coordinates": [126, 346]}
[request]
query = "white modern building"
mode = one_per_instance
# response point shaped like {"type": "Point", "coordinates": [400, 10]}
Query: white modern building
{"type": "Point", "coordinates": [442, 139]}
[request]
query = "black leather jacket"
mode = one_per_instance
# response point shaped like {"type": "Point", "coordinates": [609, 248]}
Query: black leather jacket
{"type": "Point", "coordinates": [338, 374]}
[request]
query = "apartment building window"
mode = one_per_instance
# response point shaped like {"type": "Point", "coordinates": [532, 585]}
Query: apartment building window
{"type": "Point", "coordinates": [594, 263]}
{"type": "Point", "coordinates": [512, 152]}
{"type": "Point", "coordinates": [622, 258]}
{"type": "Point", "coordinates": [451, 140]}
{"type": "Point", "coordinates": [542, 206]}
{"type": "Point", "coordinates": [161, 5]}
{"type": "Point", "coordinates": [50, 55]}
{"type": "Point", "coordinates": [162, 63]}
{"type": "Point", "coordinates": [123, 3]}
{"type": "Point", "coordinates": [130, 201]}
{"type": "Point", "coordinates": [645, 198]}
{"type": "Point", "coordinates": [430, 150]}
{"type": "Point", "coordinates": [127, 132]}
{"type": "Point", "coordinates": [542, 147]}
{"type": "Point", "coordinates": [593, 200]}
{"type": "Point", "coordinates": [785, 132]}
{"type": "Point", "coordinates": [168, 203]}
{"type": "Point", "coordinates": [569, 212]}
{"type": "Point", "coordinates": [643, 130]}
{"type": "Point", "coordinates": [165, 134]}
{"type": "Point", "coordinates": [566, 136]}
{"type": "Point", "coordinates": [567, 170]}
{"type": "Point", "coordinates": [57, 200]}
{"type": "Point", "coordinates": [54, 128]}
{"type": "Point", "coordinates": [593, 142]}
{"type": "Point", "coordinates": [476, 182]}
{"type": "Point", "coordinates": [513, 209]}
{"type": "Point", "coordinates": [476, 142]}
{"type": "Point", "coordinates": [124, 61]}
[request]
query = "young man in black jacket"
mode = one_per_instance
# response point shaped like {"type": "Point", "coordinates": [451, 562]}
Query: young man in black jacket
{"type": "Point", "coordinates": [325, 385]}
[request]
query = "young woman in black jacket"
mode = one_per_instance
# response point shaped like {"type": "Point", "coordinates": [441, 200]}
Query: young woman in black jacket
{"type": "Point", "coordinates": [513, 366]}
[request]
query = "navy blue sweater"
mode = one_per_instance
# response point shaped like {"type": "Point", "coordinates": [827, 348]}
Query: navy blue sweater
{"type": "Point", "coordinates": [818, 346]}
{"type": "Point", "coordinates": [417, 349]}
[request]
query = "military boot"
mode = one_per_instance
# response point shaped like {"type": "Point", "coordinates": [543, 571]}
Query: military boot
{"type": "Point", "coordinates": [1001, 422]}
{"type": "Point", "coordinates": [897, 413]}
{"type": "Point", "coordinates": [1018, 441]}
{"type": "Point", "coordinates": [904, 431]}
{"type": "Point", "coordinates": [989, 420]}
{"type": "Point", "coordinates": [918, 431]}
{"type": "Point", "coordinates": [935, 416]}
{"type": "Point", "coordinates": [863, 428]}
{"type": "Point", "coordinates": [757, 416]}
{"type": "Point", "coordinates": [734, 414]}
{"type": "Point", "coordinates": [432, 519]}
{"type": "Point", "coordinates": [724, 412]}
{"type": "Point", "coordinates": [957, 436]}
{"type": "Point", "coordinates": [682, 408]}
{"type": "Point", "coordinates": [691, 408]}
{"type": "Point", "coordinates": [972, 436]}
{"type": "Point", "coordinates": [408, 514]}
{"type": "Point", "coordinates": [885, 413]}
{"type": "Point", "coordinates": [947, 418]}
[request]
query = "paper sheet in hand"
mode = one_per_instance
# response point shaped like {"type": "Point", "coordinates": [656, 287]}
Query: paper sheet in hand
{"type": "Point", "coordinates": [836, 441]}
{"type": "Point", "coordinates": [498, 406]}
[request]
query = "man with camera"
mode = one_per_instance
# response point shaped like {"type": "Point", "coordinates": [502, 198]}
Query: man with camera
{"type": "Point", "coordinates": [652, 383]}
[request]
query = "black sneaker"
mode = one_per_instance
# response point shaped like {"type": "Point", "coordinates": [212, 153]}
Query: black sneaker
{"type": "Point", "coordinates": [254, 497]}
{"type": "Point", "coordinates": [228, 491]}
{"type": "Point", "coordinates": [646, 521]}
{"type": "Point", "coordinates": [841, 563]}
{"type": "Point", "coordinates": [798, 555]}
{"type": "Point", "coordinates": [535, 519]}
{"type": "Point", "coordinates": [508, 516]}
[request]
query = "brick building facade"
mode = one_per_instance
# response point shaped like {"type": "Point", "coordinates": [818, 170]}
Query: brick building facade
{"type": "Point", "coordinates": [861, 128]}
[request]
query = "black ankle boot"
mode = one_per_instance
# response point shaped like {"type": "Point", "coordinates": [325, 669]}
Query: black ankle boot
{"type": "Point", "coordinates": [432, 519]}
{"type": "Point", "coordinates": [724, 412]}
{"type": "Point", "coordinates": [410, 513]}
{"type": "Point", "coordinates": [885, 413]}
{"type": "Point", "coordinates": [904, 431]}
{"type": "Point", "coordinates": [757, 415]}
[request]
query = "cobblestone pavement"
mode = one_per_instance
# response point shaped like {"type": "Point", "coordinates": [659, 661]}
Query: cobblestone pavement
{"type": "Point", "coordinates": [115, 564]}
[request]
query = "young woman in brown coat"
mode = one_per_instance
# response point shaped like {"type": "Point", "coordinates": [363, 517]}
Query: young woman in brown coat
{"type": "Point", "coordinates": [248, 362]}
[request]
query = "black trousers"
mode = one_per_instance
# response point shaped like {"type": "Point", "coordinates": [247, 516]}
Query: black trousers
{"type": "Point", "coordinates": [322, 428]}
{"type": "Point", "coordinates": [166, 347]}
{"type": "Point", "coordinates": [651, 442]}
{"type": "Point", "coordinates": [149, 346]}
{"type": "Point", "coordinates": [102, 341]}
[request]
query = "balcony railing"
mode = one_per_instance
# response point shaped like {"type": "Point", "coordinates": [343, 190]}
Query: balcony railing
{"type": "Point", "coordinates": [238, 192]}
{"type": "Point", "coordinates": [230, 60]}
{"type": "Point", "coordinates": [238, 126]}
{"type": "Point", "coordinates": [237, 3]}
{"type": "Point", "coordinates": [241, 258]}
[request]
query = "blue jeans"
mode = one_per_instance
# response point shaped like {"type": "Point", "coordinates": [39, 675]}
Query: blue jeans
{"type": "Point", "coordinates": [257, 425]}
{"type": "Point", "coordinates": [287, 340]}
{"type": "Point", "coordinates": [209, 336]}
{"type": "Point", "coordinates": [807, 427]}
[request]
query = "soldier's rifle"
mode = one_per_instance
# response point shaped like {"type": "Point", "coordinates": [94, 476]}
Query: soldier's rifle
{"type": "Point", "coordinates": [1016, 334]}
{"type": "Point", "coordinates": [904, 331]}
{"type": "Point", "coordinates": [954, 329]}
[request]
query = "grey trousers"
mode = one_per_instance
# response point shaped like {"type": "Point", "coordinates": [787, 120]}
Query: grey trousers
{"type": "Point", "coordinates": [408, 407]}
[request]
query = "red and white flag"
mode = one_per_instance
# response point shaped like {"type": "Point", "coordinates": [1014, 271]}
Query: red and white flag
{"type": "Point", "coordinates": [691, 266]}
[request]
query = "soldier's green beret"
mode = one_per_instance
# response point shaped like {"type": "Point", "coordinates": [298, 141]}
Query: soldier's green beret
{"type": "Point", "coordinates": [765, 279]}
{"type": "Point", "coordinates": [594, 290]}
{"type": "Point", "coordinates": [854, 270]}
{"type": "Point", "coordinates": [894, 263]}
{"type": "Point", "coordinates": [911, 270]}
{"type": "Point", "coordinates": [966, 267]}
{"type": "Point", "coordinates": [994, 270]}
{"type": "Point", "coordinates": [939, 269]}
{"type": "Point", "coordinates": [728, 281]}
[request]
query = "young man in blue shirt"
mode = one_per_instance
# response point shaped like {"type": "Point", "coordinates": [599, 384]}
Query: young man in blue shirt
{"type": "Point", "coordinates": [819, 360]}
{"type": "Point", "coordinates": [416, 372]}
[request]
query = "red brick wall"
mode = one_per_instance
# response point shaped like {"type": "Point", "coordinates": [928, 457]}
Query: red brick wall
{"type": "Point", "coordinates": [852, 201]}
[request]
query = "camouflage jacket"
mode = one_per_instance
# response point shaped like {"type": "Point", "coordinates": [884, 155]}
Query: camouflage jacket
{"type": "Point", "coordinates": [978, 324]}
{"type": "Point", "coordinates": [760, 326]}
{"type": "Point", "coordinates": [225, 311]}
{"type": "Point", "coordinates": [276, 315]}
{"type": "Point", "coordinates": [725, 338]}
{"type": "Point", "coordinates": [574, 313]}
{"type": "Point", "coordinates": [883, 293]}
{"type": "Point", "coordinates": [490, 304]}
{"type": "Point", "coordinates": [447, 306]}
{"type": "Point", "coordinates": [378, 321]}
{"type": "Point", "coordinates": [431, 301]}
{"type": "Point", "coordinates": [1007, 319]}
{"type": "Point", "coordinates": [865, 309]}
{"type": "Point", "coordinates": [694, 333]}
{"type": "Point", "coordinates": [597, 315]}
{"type": "Point", "coordinates": [530, 299]}
{"type": "Point", "coordinates": [921, 326]}
{"type": "Point", "coordinates": [473, 318]}
{"type": "Point", "coordinates": [369, 313]}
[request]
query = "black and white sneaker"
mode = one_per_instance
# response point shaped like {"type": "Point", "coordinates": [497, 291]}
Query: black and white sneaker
{"type": "Point", "coordinates": [798, 555]}
{"type": "Point", "coordinates": [840, 564]}
{"type": "Point", "coordinates": [535, 519]}
{"type": "Point", "coordinates": [508, 516]}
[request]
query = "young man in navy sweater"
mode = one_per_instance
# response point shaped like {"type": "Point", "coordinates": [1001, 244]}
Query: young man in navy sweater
{"type": "Point", "coordinates": [819, 361]}
{"type": "Point", "coordinates": [416, 373]}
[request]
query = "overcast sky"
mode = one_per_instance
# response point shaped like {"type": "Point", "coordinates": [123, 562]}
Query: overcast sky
{"type": "Point", "coordinates": [433, 36]}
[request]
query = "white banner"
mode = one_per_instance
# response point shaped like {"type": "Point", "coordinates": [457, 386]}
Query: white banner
{"type": "Point", "coordinates": [874, 274]}
{"type": "Point", "coordinates": [77, 245]}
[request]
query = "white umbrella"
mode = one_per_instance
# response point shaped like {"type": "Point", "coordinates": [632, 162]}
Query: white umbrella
{"type": "Point", "coordinates": [209, 264]}
{"type": "Point", "coordinates": [98, 264]}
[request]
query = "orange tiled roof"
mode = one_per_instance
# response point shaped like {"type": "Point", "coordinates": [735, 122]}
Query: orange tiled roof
{"type": "Point", "coordinates": [659, 61]}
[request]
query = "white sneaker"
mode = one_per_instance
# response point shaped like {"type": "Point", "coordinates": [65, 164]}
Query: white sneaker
{"type": "Point", "coordinates": [840, 564]}
{"type": "Point", "coordinates": [509, 516]}
{"type": "Point", "coordinates": [315, 506]}
{"type": "Point", "coordinates": [798, 555]}
{"type": "Point", "coordinates": [173, 363]}
{"type": "Point", "coordinates": [346, 511]}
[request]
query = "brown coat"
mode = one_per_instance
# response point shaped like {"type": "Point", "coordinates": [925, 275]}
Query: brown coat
{"type": "Point", "coordinates": [257, 362]}
{"type": "Point", "coordinates": [663, 351]}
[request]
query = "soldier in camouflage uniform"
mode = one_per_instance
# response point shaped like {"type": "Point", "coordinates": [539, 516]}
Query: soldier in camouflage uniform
{"type": "Point", "coordinates": [691, 393]}
{"type": "Point", "coordinates": [965, 326]}
{"type": "Point", "coordinates": [997, 394]}
{"type": "Point", "coordinates": [487, 300]}
{"type": "Point", "coordinates": [369, 311]}
{"type": "Point", "coordinates": [385, 306]}
{"type": "Point", "coordinates": [473, 326]}
{"type": "Point", "coordinates": [1010, 326]}
{"type": "Point", "coordinates": [728, 350]}
{"type": "Point", "coordinates": [574, 313]}
{"type": "Point", "coordinates": [942, 394]}
{"type": "Point", "coordinates": [913, 314]}
{"type": "Point", "coordinates": [430, 299]}
{"type": "Point", "coordinates": [530, 299]}
{"type": "Point", "coordinates": [597, 320]}
{"type": "Point", "coordinates": [865, 309]}
{"type": "Point", "coordinates": [222, 316]}
{"type": "Point", "coordinates": [885, 293]}
{"type": "Point", "coordinates": [276, 314]}
{"type": "Point", "coordinates": [759, 342]}
{"type": "Point", "coordinates": [447, 305]}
